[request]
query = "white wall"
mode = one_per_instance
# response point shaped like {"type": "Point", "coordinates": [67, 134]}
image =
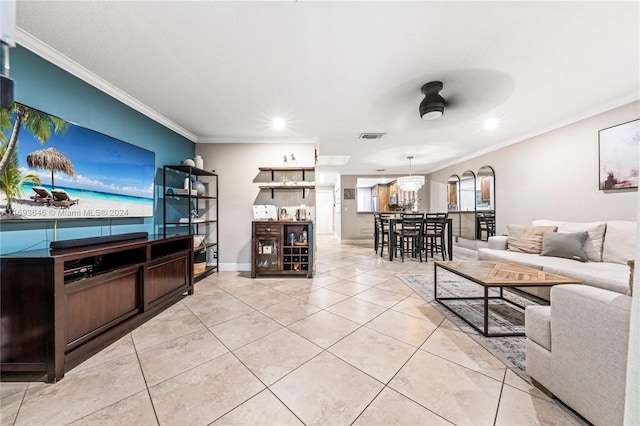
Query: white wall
{"type": "Point", "coordinates": [554, 175]}
{"type": "Point", "coordinates": [237, 166]}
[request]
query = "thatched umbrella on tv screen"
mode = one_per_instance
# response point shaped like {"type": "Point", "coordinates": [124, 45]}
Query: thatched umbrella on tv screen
{"type": "Point", "coordinates": [50, 159]}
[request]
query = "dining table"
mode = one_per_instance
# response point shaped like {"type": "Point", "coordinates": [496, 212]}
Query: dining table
{"type": "Point", "coordinates": [394, 221]}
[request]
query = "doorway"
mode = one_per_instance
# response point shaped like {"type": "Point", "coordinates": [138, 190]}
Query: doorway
{"type": "Point", "coordinates": [324, 212]}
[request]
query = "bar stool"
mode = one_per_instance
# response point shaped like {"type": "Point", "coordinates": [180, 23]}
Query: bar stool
{"type": "Point", "coordinates": [381, 232]}
{"type": "Point", "coordinates": [409, 237]}
{"type": "Point", "coordinates": [435, 224]}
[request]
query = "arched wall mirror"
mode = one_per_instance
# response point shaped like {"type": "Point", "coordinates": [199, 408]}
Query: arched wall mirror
{"type": "Point", "coordinates": [468, 205]}
{"type": "Point", "coordinates": [453, 203]}
{"type": "Point", "coordinates": [485, 203]}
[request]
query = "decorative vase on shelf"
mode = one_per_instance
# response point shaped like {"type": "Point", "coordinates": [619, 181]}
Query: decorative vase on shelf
{"type": "Point", "coordinates": [285, 163]}
{"type": "Point", "coordinates": [293, 162]}
{"type": "Point", "coordinates": [188, 162]}
{"type": "Point", "coordinates": [198, 162]}
{"type": "Point", "coordinates": [198, 186]}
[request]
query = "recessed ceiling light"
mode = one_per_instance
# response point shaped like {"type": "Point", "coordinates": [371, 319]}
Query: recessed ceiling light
{"type": "Point", "coordinates": [491, 124]}
{"type": "Point", "coordinates": [278, 123]}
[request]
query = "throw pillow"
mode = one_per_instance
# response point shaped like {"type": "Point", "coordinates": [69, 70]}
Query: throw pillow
{"type": "Point", "coordinates": [527, 239]}
{"type": "Point", "coordinates": [595, 239]}
{"type": "Point", "coordinates": [631, 264]}
{"type": "Point", "coordinates": [567, 245]}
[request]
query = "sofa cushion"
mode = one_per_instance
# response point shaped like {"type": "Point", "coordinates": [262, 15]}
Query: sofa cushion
{"type": "Point", "coordinates": [595, 230]}
{"type": "Point", "coordinates": [609, 276]}
{"type": "Point", "coordinates": [620, 241]}
{"type": "Point", "coordinates": [567, 245]}
{"type": "Point", "coordinates": [525, 259]}
{"type": "Point", "coordinates": [537, 325]}
{"type": "Point", "coordinates": [498, 242]}
{"type": "Point", "coordinates": [526, 239]}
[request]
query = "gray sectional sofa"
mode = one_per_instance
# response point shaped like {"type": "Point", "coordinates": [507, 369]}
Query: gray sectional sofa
{"type": "Point", "coordinates": [577, 347]}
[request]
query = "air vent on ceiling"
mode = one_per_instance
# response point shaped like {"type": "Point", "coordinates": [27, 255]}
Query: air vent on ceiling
{"type": "Point", "coordinates": [371, 135]}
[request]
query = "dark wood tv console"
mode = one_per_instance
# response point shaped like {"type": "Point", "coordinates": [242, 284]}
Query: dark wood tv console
{"type": "Point", "coordinates": [59, 307]}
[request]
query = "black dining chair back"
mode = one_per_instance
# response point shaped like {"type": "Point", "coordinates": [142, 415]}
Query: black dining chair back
{"type": "Point", "coordinates": [381, 231]}
{"type": "Point", "coordinates": [435, 224]}
{"type": "Point", "coordinates": [486, 224]}
{"type": "Point", "coordinates": [412, 215]}
{"type": "Point", "coordinates": [410, 237]}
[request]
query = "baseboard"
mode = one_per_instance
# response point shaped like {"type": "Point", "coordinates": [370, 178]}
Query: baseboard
{"type": "Point", "coordinates": [541, 388]}
{"type": "Point", "coordinates": [367, 242]}
{"type": "Point", "coordinates": [235, 267]}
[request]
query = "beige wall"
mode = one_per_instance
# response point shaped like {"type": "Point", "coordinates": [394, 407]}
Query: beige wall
{"type": "Point", "coordinates": [554, 175]}
{"type": "Point", "coordinates": [237, 166]}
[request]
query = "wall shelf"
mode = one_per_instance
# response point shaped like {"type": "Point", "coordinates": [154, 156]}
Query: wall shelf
{"type": "Point", "coordinates": [288, 185]}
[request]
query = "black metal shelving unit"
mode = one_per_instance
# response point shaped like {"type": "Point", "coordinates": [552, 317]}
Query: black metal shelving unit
{"type": "Point", "coordinates": [207, 205]}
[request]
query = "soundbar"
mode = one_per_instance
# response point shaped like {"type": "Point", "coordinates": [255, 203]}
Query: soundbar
{"type": "Point", "coordinates": [81, 242]}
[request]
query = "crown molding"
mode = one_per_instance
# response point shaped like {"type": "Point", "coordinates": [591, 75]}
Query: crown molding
{"type": "Point", "coordinates": [272, 140]}
{"type": "Point", "coordinates": [46, 52]}
{"type": "Point", "coordinates": [584, 115]}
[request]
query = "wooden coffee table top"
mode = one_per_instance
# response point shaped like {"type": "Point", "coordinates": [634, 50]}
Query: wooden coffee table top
{"type": "Point", "coordinates": [502, 274]}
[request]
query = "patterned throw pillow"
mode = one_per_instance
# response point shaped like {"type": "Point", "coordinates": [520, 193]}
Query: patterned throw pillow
{"type": "Point", "coordinates": [527, 239]}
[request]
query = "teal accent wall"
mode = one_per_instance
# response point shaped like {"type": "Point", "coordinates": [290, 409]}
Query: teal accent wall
{"type": "Point", "coordinates": [44, 86]}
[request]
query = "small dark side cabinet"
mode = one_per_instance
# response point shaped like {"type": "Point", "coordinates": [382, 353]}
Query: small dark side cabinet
{"type": "Point", "coordinates": [60, 307]}
{"type": "Point", "coordinates": [275, 254]}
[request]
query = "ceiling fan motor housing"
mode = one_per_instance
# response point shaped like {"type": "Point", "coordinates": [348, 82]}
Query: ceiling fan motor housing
{"type": "Point", "coordinates": [432, 106]}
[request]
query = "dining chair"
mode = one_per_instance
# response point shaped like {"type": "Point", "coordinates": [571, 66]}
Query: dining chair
{"type": "Point", "coordinates": [412, 215]}
{"type": "Point", "coordinates": [435, 224]}
{"type": "Point", "coordinates": [486, 224]}
{"type": "Point", "coordinates": [381, 233]}
{"type": "Point", "coordinates": [409, 237]}
{"type": "Point", "coordinates": [376, 230]}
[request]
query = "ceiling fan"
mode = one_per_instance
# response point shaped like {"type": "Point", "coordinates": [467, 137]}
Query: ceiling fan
{"type": "Point", "coordinates": [432, 106]}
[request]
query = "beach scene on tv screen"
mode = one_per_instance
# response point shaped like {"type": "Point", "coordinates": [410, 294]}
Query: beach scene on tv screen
{"type": "Point", "coordinates": [76, 173]}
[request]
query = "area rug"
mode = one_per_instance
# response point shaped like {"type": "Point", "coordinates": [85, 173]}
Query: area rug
{"type": "Point", "coordinates": [502, 318]}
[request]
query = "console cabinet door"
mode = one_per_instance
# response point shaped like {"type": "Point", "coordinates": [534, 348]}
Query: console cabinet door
{"type": "Point", "coordinates": [166, 277]}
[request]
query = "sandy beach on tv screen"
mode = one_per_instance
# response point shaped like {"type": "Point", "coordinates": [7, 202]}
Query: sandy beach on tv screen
{"type": "Point", "coordinates": [25, 209]}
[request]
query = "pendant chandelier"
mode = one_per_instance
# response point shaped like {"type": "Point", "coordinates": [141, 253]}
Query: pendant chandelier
{"type": "Point", "coordinates": [410, 183]}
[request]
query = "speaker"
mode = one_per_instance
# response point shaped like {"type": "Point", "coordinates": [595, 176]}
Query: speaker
{"type": "Point", "coordinates": [81, 242]}
{"type": "Point", "coordinates": [6, 92]}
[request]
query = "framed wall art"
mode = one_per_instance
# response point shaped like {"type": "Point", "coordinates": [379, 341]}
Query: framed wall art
{"type": "Point", "coordinates": [349, 193]}
{"type": "Point", "coordinates": [619, 153]}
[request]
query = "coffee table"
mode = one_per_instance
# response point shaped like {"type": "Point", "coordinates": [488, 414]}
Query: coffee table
{"type": "Point", "coordinates": [491, 274]}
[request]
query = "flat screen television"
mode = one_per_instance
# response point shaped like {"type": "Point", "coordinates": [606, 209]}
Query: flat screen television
{"type": "Point", "coordinates": [82, 174]}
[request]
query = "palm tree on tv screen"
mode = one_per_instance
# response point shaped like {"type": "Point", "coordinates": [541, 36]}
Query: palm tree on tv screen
{"type": "Point", "coordinates": [11, 180]}
{"type": "Point", "coordinates": [39, 124]}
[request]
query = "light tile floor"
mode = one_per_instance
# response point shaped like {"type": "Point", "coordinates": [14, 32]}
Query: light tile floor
{"type": "Point", "coordinates": [353, 345]}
